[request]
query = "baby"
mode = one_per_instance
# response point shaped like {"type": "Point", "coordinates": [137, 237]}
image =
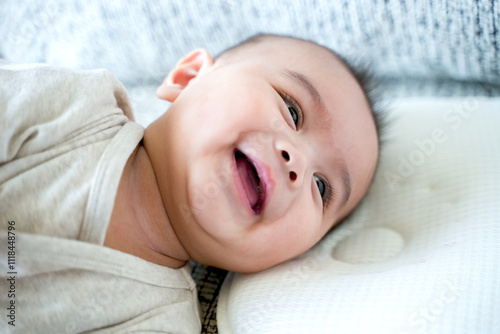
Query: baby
{"type": "Point", "coordinates": [262, 151]}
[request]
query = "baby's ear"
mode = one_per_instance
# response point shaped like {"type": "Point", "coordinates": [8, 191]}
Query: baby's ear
{"type": "Point", "coordinates": [186, 69]}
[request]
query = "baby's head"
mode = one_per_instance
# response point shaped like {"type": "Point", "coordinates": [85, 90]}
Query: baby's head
{"type": "Point", "coordinates": [262, 151]}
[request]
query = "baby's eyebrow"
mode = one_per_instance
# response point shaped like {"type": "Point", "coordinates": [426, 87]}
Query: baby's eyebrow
{"type": "Point", "coordinates": [299, 78]}
{"type": "Point", "coordinates": [346, 178]}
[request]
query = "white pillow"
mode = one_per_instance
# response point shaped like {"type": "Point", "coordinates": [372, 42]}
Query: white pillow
{"type": "Point", "coordinates": [420, 254]}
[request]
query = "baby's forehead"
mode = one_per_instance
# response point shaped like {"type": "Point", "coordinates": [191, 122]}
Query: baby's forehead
{"type": "Point", "coordinates": [300, 55]}
{"type": "Point", "coordinates": [279, 48]}
{"type": "Point", "coordinates": [286, 47]}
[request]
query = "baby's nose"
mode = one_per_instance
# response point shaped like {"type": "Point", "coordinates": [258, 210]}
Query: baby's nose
{"type": "Point", "coordinates": [292, 174]}
{"type": "Point", "coordinates": [293, 162]}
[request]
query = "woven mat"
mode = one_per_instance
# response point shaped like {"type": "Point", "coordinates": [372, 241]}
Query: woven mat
{"type": "Point", "coordinates": [208, 282]}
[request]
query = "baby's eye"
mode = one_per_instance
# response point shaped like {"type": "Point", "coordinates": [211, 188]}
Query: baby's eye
{"type": "Point", "coordinates": [294, 114]}
{"type": "Point", "coordinates": [294, 110]}
{"type": "Point", "coordinates": [324, 189]}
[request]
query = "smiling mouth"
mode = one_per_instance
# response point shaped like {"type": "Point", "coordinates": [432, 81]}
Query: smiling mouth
{"type": "Point", "coordinates": [255, 190]}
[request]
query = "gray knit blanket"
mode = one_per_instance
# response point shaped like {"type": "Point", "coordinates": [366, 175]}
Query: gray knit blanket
{"type": "Point", "coordinates": [139, 41]}
{"type": "Point", "coordinates": [413, 47]}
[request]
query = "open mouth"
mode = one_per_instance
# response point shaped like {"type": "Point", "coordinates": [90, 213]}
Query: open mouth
{"type": "Point", "coordinates": [252, 185]}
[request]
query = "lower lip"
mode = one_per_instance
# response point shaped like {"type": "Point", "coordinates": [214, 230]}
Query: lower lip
{"type": "Point", "coordinates": [240, 189]}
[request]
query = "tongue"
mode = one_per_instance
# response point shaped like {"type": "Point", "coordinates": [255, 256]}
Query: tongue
{"type": "Point", "coordinates": [249, 179]}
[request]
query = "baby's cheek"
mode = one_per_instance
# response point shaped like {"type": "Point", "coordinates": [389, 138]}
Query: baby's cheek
{"type": "Point", "coordinates": [305, 228]}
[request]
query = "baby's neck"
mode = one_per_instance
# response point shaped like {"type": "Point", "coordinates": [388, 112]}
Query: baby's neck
{"type": "Point", "coordinates": [139, 224]}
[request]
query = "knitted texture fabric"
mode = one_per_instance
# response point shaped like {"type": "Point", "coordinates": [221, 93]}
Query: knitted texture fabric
{"type": "Point", "coordinates": [140, 41]}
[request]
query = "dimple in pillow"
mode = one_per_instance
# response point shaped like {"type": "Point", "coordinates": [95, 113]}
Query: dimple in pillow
{"type": "Point", "coordinates": [419, 255]}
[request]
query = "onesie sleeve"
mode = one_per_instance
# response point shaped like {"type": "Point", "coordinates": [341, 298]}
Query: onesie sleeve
{"type": "Point", "coordinates": [42, 106]}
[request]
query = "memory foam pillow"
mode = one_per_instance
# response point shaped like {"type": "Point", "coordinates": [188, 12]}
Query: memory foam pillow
{"type": "Point", "coordinates": [419, 255]}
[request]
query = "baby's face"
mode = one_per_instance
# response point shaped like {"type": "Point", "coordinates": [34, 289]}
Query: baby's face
{"type": "Point", "coordinates": [259, 156]}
